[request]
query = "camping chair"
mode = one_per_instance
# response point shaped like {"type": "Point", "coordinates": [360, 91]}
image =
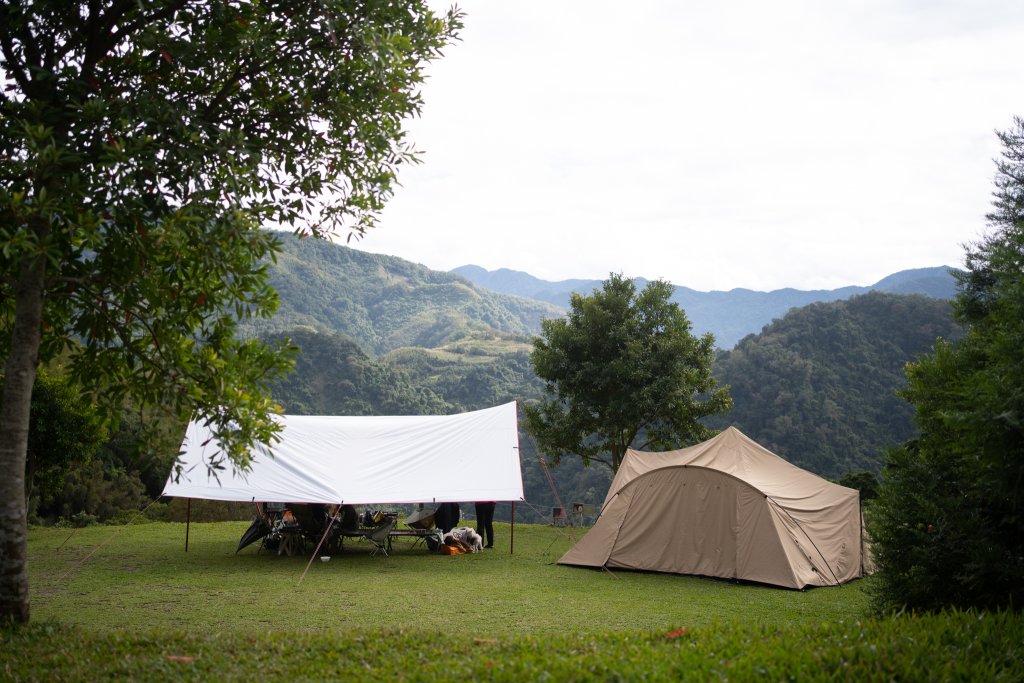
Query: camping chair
{"type": "Point", "coordinates": [381, 536]}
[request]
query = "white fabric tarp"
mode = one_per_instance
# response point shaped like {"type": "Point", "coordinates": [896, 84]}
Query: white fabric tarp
{"type": "Point", "coordinates": [366, 460]}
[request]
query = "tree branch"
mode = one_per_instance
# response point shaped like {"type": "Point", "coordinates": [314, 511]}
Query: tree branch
{"type": "Point", "coordinates": [12, 65]}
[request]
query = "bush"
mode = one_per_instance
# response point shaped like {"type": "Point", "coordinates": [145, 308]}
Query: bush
{"type": "Point", "coordinates": [77, 521]}
{"type": "Point", "coordinates": [948, 524]}
{"type": "Point", "coordinates": [95, 490]}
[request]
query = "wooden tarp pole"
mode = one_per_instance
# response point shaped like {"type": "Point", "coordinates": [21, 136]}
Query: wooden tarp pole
{"type": "Point", "coordinates": [188, 520]}
{"type": "Point", "coordinates": [512, 542]}
{"type": "Point", "coordinates": [328, 528]}
{"type": "Point", "coordinates": [860, 507]}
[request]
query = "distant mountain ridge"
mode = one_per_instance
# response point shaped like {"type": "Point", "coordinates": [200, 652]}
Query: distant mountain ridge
{"type": "Point", "coordinates": [731, 315]}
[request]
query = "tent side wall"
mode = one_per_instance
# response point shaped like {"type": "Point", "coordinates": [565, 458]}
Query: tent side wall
{"type": "Point", "coordinates": [825, 546]}
{"type": "Point", "coordinates": [680, 521]}
{"type": "Point", "coordinates": [687, 520]}
{"type": "Point", "coordinates": [763, 554]}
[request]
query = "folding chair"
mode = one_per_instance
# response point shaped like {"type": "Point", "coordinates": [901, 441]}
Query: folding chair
{"type": "Point", "coordinates": [381, 536]}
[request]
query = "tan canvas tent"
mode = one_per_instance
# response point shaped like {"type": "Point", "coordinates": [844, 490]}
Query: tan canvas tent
{"type": "Point", "coordinates": [728, 508]}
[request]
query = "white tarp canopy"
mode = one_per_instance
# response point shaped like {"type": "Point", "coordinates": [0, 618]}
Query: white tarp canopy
{"type": "Point", "coordinates": [366, 460]}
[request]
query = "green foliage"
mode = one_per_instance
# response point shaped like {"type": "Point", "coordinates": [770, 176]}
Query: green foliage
{"type": "Point", "coordinates": [820, 385]}
{"type": "Point", "coordinates": [140, 162]}
{"type": "Point", "coordinates": [126, 474]}
{"type": "Point", "coordinates": [949, 523]}
{"type": "Point", "coordinates": [145, 448]}
{"type": "Point", "coordinates": [471, 377]}
{"type": "Point", "coordinates": [575, 481]}
{"type": "Point", "coordinates": [98, 490]}
{"type": "Point", "coordinates": [64, 430]}
{"type": "Point", "coordinates": [621, 371]}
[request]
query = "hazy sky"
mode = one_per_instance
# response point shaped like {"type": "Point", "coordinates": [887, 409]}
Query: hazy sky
{"type": "Point", "coordinates": [742, 143]}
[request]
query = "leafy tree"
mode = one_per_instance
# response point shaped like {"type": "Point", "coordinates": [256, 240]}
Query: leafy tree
{"type": "Point", "coordinates": [622, 370]}
{"type": "Point", "coordinates": [143, 145]}
{"type": "Point", "coordinates": [949, 521]}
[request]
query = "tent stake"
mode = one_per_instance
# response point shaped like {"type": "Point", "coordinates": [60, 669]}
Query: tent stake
{"type": "Point", "coordinates": [188, 520]}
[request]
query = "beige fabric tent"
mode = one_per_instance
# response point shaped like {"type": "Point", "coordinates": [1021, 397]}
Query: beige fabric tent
{"type": "Point", "coordinates": [728, 508]}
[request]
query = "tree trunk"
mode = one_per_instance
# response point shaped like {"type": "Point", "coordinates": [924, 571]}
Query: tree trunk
{"type": "Point", "coordinates": [616, 452]}
{"type": "Point", "coordinates": [20, 375]}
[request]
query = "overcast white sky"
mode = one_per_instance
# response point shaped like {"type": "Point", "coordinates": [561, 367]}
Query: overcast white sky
{"type": "Point", "coordinates": [741, 143]}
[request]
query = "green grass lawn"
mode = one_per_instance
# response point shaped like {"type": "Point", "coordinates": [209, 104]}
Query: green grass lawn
{"type": "Point", "coordinates": [130, 604]}
{"type": "Point", "coordinates": [140, 577]}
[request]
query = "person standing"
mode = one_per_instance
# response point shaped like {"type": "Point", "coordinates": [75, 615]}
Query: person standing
{"type": "Point", "coordinates": [485, 521]}
{"type": "Point", "coordinates": [447, 516]}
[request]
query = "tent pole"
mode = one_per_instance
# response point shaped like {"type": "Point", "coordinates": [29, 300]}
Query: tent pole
{"type": "Point", "coordinates": [512, 541]}
{"type": "Point", "coordinates": [328, 528]}
{"type": "Point", "coordinates": [188, 520]}
{"type": "Point", "coordinates": [860, 504]}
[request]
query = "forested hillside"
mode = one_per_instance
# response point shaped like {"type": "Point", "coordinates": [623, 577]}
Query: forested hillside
{"type": "Point", "coordinates": [819, 385]}
{"type": "Point", "coordinates": [333, 376]}
{"type": "Point", "coordinates": [384, 302]}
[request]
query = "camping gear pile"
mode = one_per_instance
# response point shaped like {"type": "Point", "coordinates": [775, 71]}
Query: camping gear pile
{"type": "Point", "coordinates": [458, 541]}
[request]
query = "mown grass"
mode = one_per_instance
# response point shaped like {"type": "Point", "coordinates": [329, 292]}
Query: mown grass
{"type": "Point", "coordinates": [130, 603]}
{"type": "Point", "coordinates": [140, 576]}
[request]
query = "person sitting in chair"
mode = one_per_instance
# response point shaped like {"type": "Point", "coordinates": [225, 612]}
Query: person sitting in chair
{"type": "Point", "coordinates": [348, 518]}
